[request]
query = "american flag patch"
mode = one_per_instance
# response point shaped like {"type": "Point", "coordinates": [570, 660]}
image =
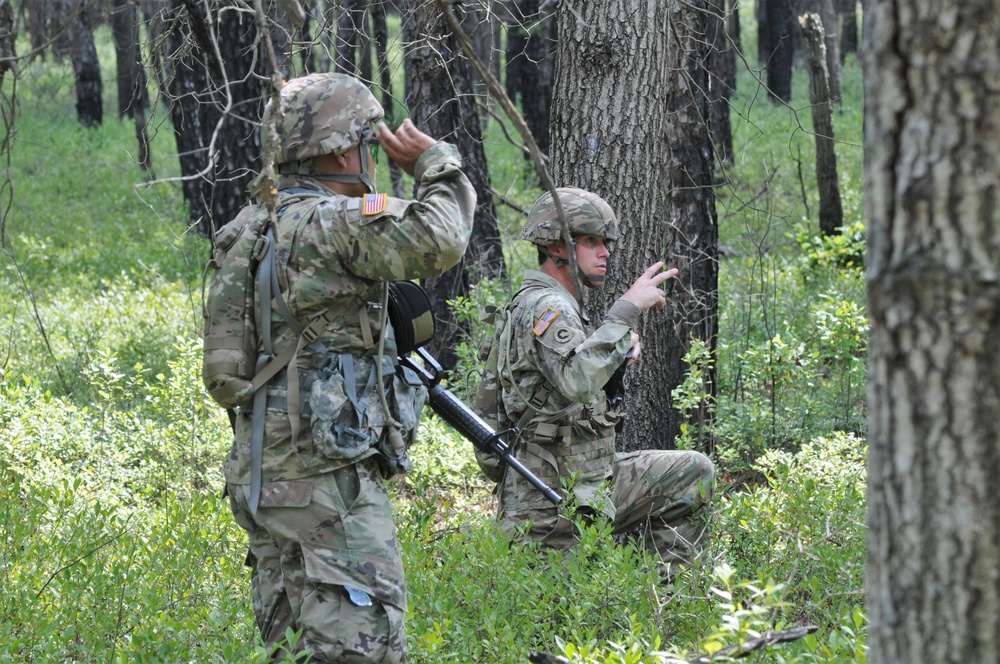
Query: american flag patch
{"type": "Point", "coordinates": [374, 204]}
{"type": "Point", "coordinates": [544, 322]}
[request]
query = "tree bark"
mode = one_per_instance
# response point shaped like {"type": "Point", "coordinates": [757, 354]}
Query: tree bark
{"type": "Point", "coordinates": [780, 50]}
{"type": "Point", "coordinates": [831, 211]}
{"type": "Point", "coordinates": [380, 37]}
{"type": "Point", "coordinates": [829, 23]}
{"type": "Point", "coordinates": [734, 30]}
{"type": "Point", "coordinates": [130, 78]}
{"type": "Point", "coordinates": [847, 10]}
{"type": "Point", "coordinates": [721, 80]}
{"type": "Point", "coordinates": [8, 45]}
{"type": "Point", "coordinates": [538, 71]}
{"type": "Point", "coordinates": [650, 157]}
{"type": "Point", "coordinates": [77, 41]}
{"type": "Point", "coordinates": [932, 182]}
{"type": "Point", "coordinates": [215, 123]}
{"type": "Point", "coordinates": [353, 51]}
{"type": "Point", "coordinates": [441, 102]}
{"type": "Point", "coordinates": [133, 94]}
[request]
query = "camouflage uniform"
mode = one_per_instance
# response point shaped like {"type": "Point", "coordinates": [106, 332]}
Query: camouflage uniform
{"type": "Point", "coordinates": [551, 357]}
{"type": "Point", "coordinates": [323, 548]}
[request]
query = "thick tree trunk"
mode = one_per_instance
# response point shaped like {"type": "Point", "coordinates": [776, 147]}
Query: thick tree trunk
{"type": "Point", "coordinates": [932, 182]}
{"type": "Point", "coordinates": [650, 157]}
{"type": "Point", "coordinates": [439, 95]}
{"type": "Point", "coordinates": [831, 211]}
{"type": "Point", "coordinates": [215, 125]}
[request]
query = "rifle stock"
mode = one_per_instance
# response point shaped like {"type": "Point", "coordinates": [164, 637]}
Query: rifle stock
{"type": "Point", "coordinates": [464, 420]}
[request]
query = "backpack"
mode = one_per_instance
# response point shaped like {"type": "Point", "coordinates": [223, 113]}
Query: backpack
{"type": "Point", "coordinates": [242, 263]}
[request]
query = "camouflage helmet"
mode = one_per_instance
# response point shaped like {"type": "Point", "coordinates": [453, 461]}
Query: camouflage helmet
{"type": "Point", "coordinates": [323, 114]}
{"type": "Point", "coordinates": [586, 214]}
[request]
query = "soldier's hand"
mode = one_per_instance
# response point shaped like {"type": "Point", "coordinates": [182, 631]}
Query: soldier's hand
{"type": "Point", "coordinates": [635, 350]}
{"type": "Point", "coordinates": [405, 145]}
{"type": "Point", "coordinates": [645, 292]}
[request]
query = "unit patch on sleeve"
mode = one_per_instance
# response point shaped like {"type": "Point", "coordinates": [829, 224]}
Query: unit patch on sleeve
{"type": "Point", "coordinates": [544, 322]}
{"type": "Point", "coordinates": [374, 204]}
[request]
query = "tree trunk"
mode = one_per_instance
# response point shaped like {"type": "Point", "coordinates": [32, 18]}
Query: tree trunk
{"type": "Point", "coordinates": [848, 12]}
{"type": "Point", "coordinates": [538, 71]}
{"type": "Point", "coordinates": [352, 41]}
{"type": "Point", "coordinates": [828, 20]}
{"type": "Point", "coordinates": [780, 52]}
{"type": "Point", "coordinates": [380, 37]}
{"type": "Point", "coordinates": [77, 41]}
{"type": "Point", "coordinates": [650, 157]}
{"type": "Point", "coordinates": [133, 95]}
{"type": "Point", "coordinates": [439, 95]}
{"type": "Point", "coordinates": [733, 28]}
{"type": "Point", "coordinates": [8, 46]}
{"type": "Point", "coordinates": [479, 23]}
{"type": "Point", "coordinates": [831, 212]}
{"type": "Point", "coordinates": [931, 189]}
{"type": "Point", "coordinates": [215, 125]}
{"type": "Point", "coordinates": [765, 40]}
{"type": "Point", "coordinates": [721, 79]}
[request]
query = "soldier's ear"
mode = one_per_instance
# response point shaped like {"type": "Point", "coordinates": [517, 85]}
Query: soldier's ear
{"type": "Point", "coordinates": [329, 163]}
{"type": "Point", "coordinates": [558, 249]}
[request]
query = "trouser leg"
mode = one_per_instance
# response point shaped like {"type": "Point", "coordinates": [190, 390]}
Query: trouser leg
{"type": "Point", "coordinates": [304, 580]}
{"type": "Point", "coordinates": [665, 488]}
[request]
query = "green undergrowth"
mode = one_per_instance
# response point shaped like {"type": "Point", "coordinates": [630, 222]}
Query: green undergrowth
{"type": "Point", "coordinates": [116, 544]}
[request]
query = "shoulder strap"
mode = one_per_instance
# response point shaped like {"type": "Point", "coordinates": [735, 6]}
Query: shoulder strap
{"type": "Point", "coordinates": [268, 365]}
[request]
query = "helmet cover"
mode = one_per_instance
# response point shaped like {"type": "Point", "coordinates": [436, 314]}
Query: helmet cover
{"type": "Point", "coordinates": [322, 114]}
{"type": "Point", "coordinates": [586, 214]}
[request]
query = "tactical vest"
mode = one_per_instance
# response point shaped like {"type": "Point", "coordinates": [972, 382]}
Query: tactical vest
{"type": "Point", "coordinates": [553, 443]}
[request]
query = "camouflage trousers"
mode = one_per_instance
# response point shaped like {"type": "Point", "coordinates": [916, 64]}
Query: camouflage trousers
{"type": "Point", "coordinates": [313, 543]}
{"type": "Point", "coordinates": [658, 492]}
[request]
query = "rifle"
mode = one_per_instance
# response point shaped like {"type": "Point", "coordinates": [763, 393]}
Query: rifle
{"type": "Point", "coordinates": [464, 420]}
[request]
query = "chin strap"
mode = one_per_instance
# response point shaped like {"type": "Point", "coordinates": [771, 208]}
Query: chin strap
{"type": "Point", "coordinates": [589, 280]}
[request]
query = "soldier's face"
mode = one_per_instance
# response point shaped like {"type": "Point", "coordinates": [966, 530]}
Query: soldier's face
{"type": "Point", "coordinates": [592, 258]}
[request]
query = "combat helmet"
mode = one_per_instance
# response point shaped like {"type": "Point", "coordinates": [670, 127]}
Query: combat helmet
{"type": "Point", "coordinates": [586, 214]}
{"type": "Point", "coordinates": [325, 113]}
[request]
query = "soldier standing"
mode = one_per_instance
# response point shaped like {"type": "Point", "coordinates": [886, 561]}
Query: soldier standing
{"type": "Point", "coordinates": [337, 422]}
{"type": "Point", "coordinates": [551, 369]}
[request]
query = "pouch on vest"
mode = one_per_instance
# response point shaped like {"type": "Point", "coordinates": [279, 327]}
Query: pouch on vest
{"type": "Point", "coordinates": [348, 419]}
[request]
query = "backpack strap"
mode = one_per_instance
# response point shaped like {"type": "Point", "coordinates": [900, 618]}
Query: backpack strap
{"type": "Point", "coordinates": [269, 364]}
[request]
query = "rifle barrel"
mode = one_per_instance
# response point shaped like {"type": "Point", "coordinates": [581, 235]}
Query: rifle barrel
{"type": "Point", "coordinates": [474, 428]}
